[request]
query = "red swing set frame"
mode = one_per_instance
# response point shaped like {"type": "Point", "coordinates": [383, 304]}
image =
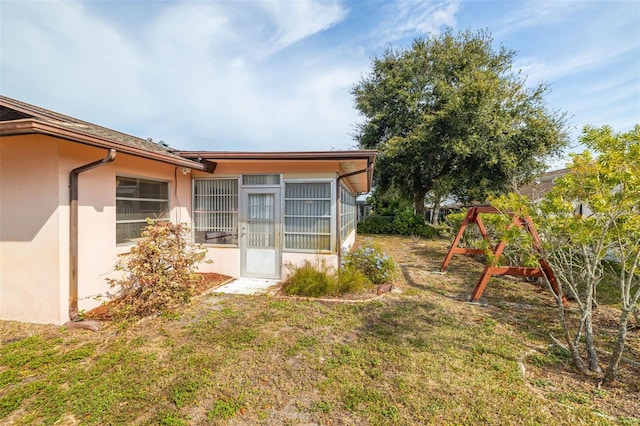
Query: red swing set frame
{"type": "Point", "coordinates": [524, 223]}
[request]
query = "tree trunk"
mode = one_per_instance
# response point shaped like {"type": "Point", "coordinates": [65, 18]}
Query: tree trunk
{"type": "Point", "coordinates": [573, 350]}
{"type": "Point", "coordinates": [418, 202]}
{"type": "Point", "coordinates": [594, 364]}
{"type": "Point", "coordinates": [619, 349]}
{"type": "Point", "coordinates": [435, 217]}
{"type": "Point", "coordinates": [587, 315]}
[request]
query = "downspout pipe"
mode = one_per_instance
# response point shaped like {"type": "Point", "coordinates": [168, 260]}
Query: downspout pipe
{"type": "Point", "coordinates": [73, 231]}
{"type": "Point", "coordinates": [339, 209]}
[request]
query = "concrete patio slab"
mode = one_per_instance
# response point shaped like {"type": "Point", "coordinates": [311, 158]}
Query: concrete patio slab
{"type": "Point", "coordinates": [246, 286]}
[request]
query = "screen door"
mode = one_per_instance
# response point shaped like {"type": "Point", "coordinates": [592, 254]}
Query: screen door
{"type": "Point", "coordinates": [260, 233]}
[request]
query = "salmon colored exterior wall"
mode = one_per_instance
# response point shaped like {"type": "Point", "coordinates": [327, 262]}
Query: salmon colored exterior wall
{"type": "Point", "coordinates": [30, 263]}
{"type": "Point", "coordinates": [34, 226]}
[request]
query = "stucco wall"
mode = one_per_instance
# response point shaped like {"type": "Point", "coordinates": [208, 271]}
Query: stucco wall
{"type": "Point", "coordinates": [349, 241]}
{"type": "Point", "coordinates": [98, 251]}
{"type": "Point", "coordinates": [34, 224]}
{"type": "Point", "coordinates": [223, 260]}
{"type": "Point", "coordinates": [29, 230]}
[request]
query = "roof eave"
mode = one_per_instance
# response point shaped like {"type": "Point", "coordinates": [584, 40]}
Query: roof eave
{"type": "Point", "coordinates": [34, 126]}
{"type": "Point", "coordinates": [369, 155]}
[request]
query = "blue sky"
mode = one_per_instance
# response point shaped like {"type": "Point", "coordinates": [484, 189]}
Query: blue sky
{"type": "Point", "coordinates": [276, 75]}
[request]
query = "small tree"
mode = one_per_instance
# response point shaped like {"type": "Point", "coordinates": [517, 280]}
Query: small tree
{"type": "Point", "coordinates": [603, 239]}
{"type": "Point", "coordinates": [160, 271]}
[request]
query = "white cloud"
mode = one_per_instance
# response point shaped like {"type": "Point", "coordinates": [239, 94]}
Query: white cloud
{"type": "Point", "coordinates": [412, 18]}
{"type": "Point", "coordinates": [533, 13]}
{"type": "Point", "coordinates": [230, 93]}
{"type": "Point", "coordinates": [195, 73]}
{"type": "Point", "coordinates": [297, 20]}
{"type": "Point", "coordinates": [558, 67]}
{"type": "Point", "coordinates": [267, 75]}
{"type": "Point", "coordinates": [57, 54]}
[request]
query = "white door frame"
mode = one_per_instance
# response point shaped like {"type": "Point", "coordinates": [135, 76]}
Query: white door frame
{"type": "Point", "coordinates": [260, 253]}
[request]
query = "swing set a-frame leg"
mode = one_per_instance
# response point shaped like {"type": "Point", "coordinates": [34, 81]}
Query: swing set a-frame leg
{"type": "Point", "coordinates": [525, 223]}
{"type": "Point", "coordinates": [456, 240]}
{"type": "Point", "coordinates": [471, 217]}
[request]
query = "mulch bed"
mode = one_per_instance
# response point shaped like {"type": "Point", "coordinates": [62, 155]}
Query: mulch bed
{"type": "Point", "coordinates": [209, 280]}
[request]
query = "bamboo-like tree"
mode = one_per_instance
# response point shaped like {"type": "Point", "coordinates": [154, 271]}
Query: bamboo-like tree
{"type": "Point", "coordinates": [603, 240]}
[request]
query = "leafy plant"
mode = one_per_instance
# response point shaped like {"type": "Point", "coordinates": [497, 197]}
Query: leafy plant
{"type": "Point", "coordinates": [438, 113]}
{"type": "Point", "coordinates": [160, 272]}
{"type": "Point", "coordinates": [380, 225]}
{"type": "Point", "coordinates": [371, 261]}
{"type": "Point", "coordinates": [603, 238]}
{"type": "Point", "coordinates": [351, 280]}
{"type": "Point", "coordinates": [359, 268]}
{"type": "Point", "coordinates": [310, 279]}
{"type": "Point", "coordinates": [405, 222]}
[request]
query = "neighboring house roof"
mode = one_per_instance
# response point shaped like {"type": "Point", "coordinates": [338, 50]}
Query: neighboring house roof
{"type": "Point", "coordinates": [19, 118]}
{"type": "Point", "coordinates": [542, 184]}
{"type": "Point", "coordinates": [355, 166]}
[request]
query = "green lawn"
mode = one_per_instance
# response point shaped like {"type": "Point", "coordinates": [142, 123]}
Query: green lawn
{"type": "Point", "coordinates": [418, 356]}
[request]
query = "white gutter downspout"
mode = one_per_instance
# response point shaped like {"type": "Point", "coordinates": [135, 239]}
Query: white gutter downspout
{"type": "Point", "coordinates": [73, 231]}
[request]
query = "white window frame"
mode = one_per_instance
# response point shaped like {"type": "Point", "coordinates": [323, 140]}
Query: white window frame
{"type": "Point", "coordinates": [332, 215]}
{"type": "Point", "coordinates": [196, 228]}
{"type": "Point", "coordinates": [261, 185]}
{"type": "Point", "coordinates": [131, 241]}
{"type": "Point", "coordinates": [347, 211]}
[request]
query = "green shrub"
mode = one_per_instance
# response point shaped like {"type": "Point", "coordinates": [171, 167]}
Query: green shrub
{"type": "Point", "coordinates": [376, 225]}
{"type": "Point", "coordinates": [404, 223]}
{"type": "Point", "coordinates": [408, 223]}
{"type": "Point", "coordinates": [351, 280]}
{"type": "Point", "coordinates": [161, 272]}
{"type": "Point", "coordinates": [369, 259]}
{"type": "Point", "coordinates": [454, 220]}
{"type": "Point", "coordinates": [310, 280]}
{"type": "Point", "coordinates": [315, 280]}
{"type": "Point", "coordinates": [359, 269]}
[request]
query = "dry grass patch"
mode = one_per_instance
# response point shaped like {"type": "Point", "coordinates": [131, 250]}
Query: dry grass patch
{"type": "Point", "coordinates": [422, 356]}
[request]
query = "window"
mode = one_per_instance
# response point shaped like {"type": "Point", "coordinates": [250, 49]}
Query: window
{"type": "Point", "coordinates": [261, 220]}
{"type": "Point", "coordinates": [347, 212]}
{"type": "Point", "coordinates": [137, 200]}
{"type": "Point", "coordinates": [215, 211]}
{"type": "Point", "coordinates": [260, 180]}
{"type": "Point", "coordinates": [307, 217]}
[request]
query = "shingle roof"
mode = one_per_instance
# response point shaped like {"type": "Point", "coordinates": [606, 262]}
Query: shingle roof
{"type": "Point", "coordinates": [17, 117]}
{"type": "Point", "coordinates": [542, 184]}
{"type": "Point", "coordinates": [13, 110]}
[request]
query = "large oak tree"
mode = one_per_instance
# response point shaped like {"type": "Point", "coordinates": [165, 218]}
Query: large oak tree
{"type": "Point", "coordinates": [449, 115]}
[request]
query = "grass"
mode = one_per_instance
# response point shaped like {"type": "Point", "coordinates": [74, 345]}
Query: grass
{"type": "Point", "coordinates": [421, 356]}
